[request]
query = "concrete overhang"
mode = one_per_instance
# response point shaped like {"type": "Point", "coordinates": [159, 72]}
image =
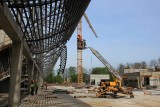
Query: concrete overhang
{"type": "Point", "coordinates": [10, 27]}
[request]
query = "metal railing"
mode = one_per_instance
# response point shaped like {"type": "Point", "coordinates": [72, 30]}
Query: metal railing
{"type": "Point", "coordinates": [4, 75]}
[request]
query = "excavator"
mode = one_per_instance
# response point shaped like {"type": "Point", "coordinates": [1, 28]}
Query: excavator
{"type": "Point", "coordinates": [114, 86]}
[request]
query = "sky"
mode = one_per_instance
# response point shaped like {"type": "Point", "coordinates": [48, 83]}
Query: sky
{"type": "Point", "coordinates": [128, 31]}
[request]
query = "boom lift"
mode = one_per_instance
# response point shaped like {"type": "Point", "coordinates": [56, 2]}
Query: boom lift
{"type": "Point", "coordinates": [115, 86]}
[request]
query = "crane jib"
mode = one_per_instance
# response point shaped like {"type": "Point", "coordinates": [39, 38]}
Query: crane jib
{"type": "Point", "coordinates": [111, 69]}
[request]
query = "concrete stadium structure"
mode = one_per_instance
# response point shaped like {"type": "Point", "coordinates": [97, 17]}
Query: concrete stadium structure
{"type": "Point", "coordinates": [141, 78]}
{"type": "Point", "coordinates": [38, 31]}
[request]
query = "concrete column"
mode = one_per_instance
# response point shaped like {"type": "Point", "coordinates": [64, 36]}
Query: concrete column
{"type": "Point", "coordinates": [138, 81]}
{"type": "Point", "coordinates": [15, 74]}
{"type": "Point", "coordinates": [35, 75]}
{"type": "Point", "coordinates": [30, 74]}
{"type": "Point", "coordinates": [39, 80]}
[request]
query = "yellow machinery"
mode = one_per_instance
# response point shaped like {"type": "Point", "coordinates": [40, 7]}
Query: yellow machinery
{"type": "Point", "coordinates": [115, 86]}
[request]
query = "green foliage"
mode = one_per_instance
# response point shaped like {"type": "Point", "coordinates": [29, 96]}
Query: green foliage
{"type": "Point", "coordinates": [71, 71]}
{"type": "Point", "coordinates": [49, 78]}
{"type": "Point", "coordinates": [74, 78]}
{"type": "Point", "coordinates": [54, 79]}
{"type": "Point", "coordinates": [86, 78]}
{"type": "Point", "coordinates": [138, 65]}
{"type": "Point", "coordinates": [58, 79]}
{"type": "Point", "coordinates": [72, 74]}
{"type": "Point", "coordinates": [121, 69]}
{"type": "Point", "coordinates": [100, 70]}
{"type": "Point", "coordinates": [128, 66]}
{"type": "Point", "coordinates": [143, 65]}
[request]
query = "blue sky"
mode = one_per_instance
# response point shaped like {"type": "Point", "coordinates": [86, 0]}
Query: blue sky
{"type": "Point", "coordinates": [128, 31]}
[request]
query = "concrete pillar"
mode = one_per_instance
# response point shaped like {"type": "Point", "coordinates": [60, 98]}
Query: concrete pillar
{"type": "Point", "coordinates": [35, 74]}
{"type": "Point", "coordinates": [138, 81]}
{"type": "Point", "coordinates": [30, 74]}
{"type": "Point", "coordinates": [39, 80]}
{"type": "Point", "coordinates": [15, 74]}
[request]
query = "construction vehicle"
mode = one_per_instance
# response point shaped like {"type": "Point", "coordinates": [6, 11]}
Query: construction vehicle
{"type": "Point", "coordinates": [115, 86]}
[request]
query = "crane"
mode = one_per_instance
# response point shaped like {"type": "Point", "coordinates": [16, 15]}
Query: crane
{"type": "Point", "coordinates": [115, 86]}
{"type": "Point", "coordinates": [81, 45]}
{"type": "Point", "coordinates": [111, 69]}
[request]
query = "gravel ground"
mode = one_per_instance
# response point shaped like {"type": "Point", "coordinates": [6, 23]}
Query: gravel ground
{"type": "Point", "coordinates": [140, 100]}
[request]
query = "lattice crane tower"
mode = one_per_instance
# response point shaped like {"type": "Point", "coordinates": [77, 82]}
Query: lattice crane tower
{"type": "Point", "coordinates": [81, 45]}
{"type": "Point", "coordinates": [79, 54]}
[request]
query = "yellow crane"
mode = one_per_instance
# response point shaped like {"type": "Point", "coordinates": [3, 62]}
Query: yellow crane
{"type": "Point", "coordinates": [114, 86]}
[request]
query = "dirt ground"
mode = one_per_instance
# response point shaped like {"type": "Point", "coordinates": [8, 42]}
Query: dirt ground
{"type": "Point", "coordinates": [140, 100]}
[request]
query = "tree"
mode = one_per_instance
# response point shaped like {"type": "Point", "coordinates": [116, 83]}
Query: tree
{"type": "Point", "coordinates": [137, 65]}
{"type": "Point", "coordinates": [153, 62]}
{"type": "Point", "coordinates": [74, 78]}
{"type": "Point", "coordinates": [127, 66]}
{"type": "Point", "coordinates": [50, 78]}
{"type": "Point", "coordinates": [71, 70]}
{"type": "Point", "coordinates": [100, 70]}
{"type": "Point", "coordinates": [72, 74]}
{"type": "Point", "coordinates": [159, 61]}
{"type": "Point", "coordinates": [58, 79]}
{"type": "Point", "coordinates": [143, 65]}
{"type": "Point", "coordinates": [121, 69]}
{"type": "Point", "coordinates": [86, 78]}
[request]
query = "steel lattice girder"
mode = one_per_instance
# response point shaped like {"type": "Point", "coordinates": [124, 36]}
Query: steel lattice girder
{"type": "Point", "coordinates": [63, 60]}
{"type": "Point", "coordinates": [47, 25]}
{"type": "Point", "coordinates": [47, 61]}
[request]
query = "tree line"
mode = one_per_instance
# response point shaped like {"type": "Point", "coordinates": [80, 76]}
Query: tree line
{"type": "Point", "coordinates": [71, 75]}
{"type": "Point", "coordinates": [154, 63]}
{"type": "Point", "coordinates": [71, 72]}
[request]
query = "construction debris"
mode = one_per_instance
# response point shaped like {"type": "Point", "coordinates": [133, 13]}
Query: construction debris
{"type": "Point", "coordinates": [151, 92]}
{"type": "Point", "coordinates": [62, 91]}
{"type": "Point", "coordinates": [50, 96]}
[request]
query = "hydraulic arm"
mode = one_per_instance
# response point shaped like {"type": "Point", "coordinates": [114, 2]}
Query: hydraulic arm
{"type": "Point", "coordinates": [114, 86]}
{"type": "Point", "coordinates": [111, 69]}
